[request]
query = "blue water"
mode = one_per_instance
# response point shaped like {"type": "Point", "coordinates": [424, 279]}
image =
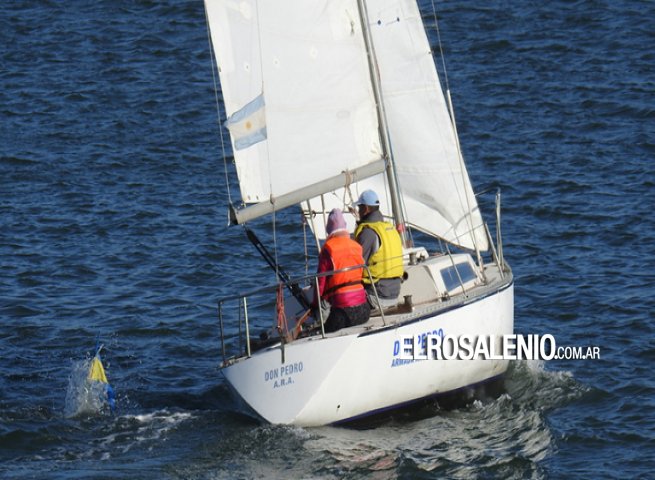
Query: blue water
{"type": "Point", "coordinates": [113, 214]}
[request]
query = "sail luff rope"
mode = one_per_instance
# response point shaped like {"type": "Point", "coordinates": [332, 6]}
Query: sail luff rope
{"type": "Point", "coordinates": [218, 111]}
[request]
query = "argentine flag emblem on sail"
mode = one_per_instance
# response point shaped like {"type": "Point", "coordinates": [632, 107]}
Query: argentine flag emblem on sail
{"type": "Point", "coordinates": [248, 125]}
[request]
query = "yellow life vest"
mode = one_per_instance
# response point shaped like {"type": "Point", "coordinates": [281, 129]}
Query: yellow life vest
{"type": "Point", "coordinates": [387, 262]}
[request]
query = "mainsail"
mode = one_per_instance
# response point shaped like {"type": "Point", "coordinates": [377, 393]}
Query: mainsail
{"type": "Point", "coordinates": [309, 61]}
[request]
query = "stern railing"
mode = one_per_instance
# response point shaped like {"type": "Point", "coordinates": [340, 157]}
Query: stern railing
{"type": "Point", "coordinates": [243, 333]}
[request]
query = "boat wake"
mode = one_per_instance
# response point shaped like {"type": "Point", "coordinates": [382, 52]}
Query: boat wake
{"type": "Point", "coordinates": [498, 436]}
{"type": "Point", "coordinates": [530, 384]}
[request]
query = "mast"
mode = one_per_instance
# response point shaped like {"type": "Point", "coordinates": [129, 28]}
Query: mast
{"type": "Point", "coordinates": [387, 154]}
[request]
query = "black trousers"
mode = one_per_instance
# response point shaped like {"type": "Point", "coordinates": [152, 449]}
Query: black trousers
{"type": "Point", "coordinates": [347, 317]}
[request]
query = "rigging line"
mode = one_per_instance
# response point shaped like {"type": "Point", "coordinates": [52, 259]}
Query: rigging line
{"type": "Point", "coordinates": [469, 216]}
{"type": "Point", "coordinates": [347, 207]}
{"type": "Point", "coordinates": [406, 232]}
{"type": "Point", "coordinates": [454, 265]}
{"type": "Point", "coordinates": [374, 71]}
{"type": "Point", "coordinates": [441, 54]}
{"type": "Point", "coordinates": [277, 262]}
{"type": "Point", "coordinates": [218, 110]}
{"type": "Point", "coordinates": [268, 154]}
{"type": "Point", "coordinates": [458, 145]}
{"type": "Point", "coordinates": [351, 199]}
{"type": "Point", "coordinates": [324, 217]}
{"type": "Point", "coordinates": [304, 239]}
{"type": "Point", "coordinates": [312, 214]}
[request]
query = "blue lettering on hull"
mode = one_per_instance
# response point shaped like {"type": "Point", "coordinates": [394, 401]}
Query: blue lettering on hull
{"type": "Point", "coordinates": [421, 340]}
{"type": "Point", "coordinates": [284, 375]}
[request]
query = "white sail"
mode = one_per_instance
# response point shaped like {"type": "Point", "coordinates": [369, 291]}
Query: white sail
{"type": "Point", "coordinates": [322, 96]}
{"type": "Point", "coordinates": [434, 184]}
{"type": "Point", "coordinates": [307, 60]}
{"type": "Point", "coordinates": [435, 187]}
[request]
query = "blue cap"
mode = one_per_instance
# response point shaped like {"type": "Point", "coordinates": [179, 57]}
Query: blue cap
{"type": "Point", "coordinates": [368, 197]}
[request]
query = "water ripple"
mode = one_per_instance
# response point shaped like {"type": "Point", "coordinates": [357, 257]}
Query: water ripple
{"type": "Point", "coordinates": [113, 214]}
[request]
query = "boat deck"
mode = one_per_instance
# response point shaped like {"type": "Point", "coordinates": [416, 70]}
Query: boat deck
{"type": "Point", "coordinates": [430, 302]}
{"type": "Point", "coordinates": [426, 292]}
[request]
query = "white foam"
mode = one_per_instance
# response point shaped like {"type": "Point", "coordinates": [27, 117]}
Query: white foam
{"type": "Point", "coordinates": [84, 397]}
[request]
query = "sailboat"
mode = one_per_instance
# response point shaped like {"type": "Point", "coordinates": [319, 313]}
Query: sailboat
{"type": "Point", "coordinates": [324, 99]}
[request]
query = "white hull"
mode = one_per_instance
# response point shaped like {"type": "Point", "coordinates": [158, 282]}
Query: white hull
{"type": "Point", "coordinates": [356, 372]}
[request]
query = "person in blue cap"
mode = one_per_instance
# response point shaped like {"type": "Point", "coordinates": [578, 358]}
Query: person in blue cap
{"type": "Point", "coordinates": [382, 250]}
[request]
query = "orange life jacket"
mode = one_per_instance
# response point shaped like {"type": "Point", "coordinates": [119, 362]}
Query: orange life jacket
{"type": "Point", "coordinates": [344, 253]}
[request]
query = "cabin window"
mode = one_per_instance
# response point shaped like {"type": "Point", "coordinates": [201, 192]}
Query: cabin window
{"type": "Point", "coordinates": [450, 278]}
